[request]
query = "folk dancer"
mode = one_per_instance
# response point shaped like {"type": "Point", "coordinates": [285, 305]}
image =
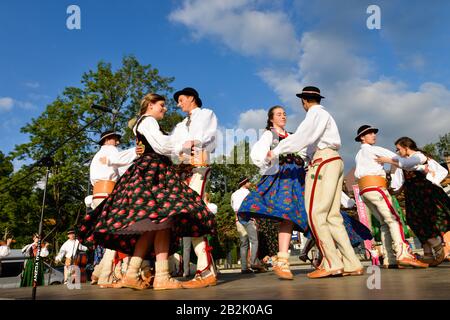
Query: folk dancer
{"type": "Point", "coordinates": [427, 204]}
{"type": "Point", "coordinates": [372, 183]}
{"type": "Point", "coordinates": [149, 204]}
{"type": "Point", "coordinates": [195, 139]}
{"type": "Point", "coordinates": [106, 167]}
{"type": "Point", "coordinates": [323, 186]}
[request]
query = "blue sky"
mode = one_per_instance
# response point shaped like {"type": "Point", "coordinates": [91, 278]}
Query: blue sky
{"type": "Point", "coordinates": [243, 56]}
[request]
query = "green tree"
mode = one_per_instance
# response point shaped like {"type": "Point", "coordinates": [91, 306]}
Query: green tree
{"type": "Point", "coordinates": [439, 150]}
{"type": "Point", "coordinates": [225, 177]}
{"type": "Point", "coordinates": [120, 89]}
{"type": "Point", "coordinates": [19, 205]}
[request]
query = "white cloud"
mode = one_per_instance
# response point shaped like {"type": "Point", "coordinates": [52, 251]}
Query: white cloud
{"type": "Point", "coordinates": [238, 25]}
{"type": "Point", "coordinates": [354, 100]}
{"type": "Point", "coordinates": [6, 104]}
{"type": "Point", "coordinates": [253, 119]}
{"type": "Point", "coordinates": [330, 57]}
{"type": "Point", "coordinates": [414, 61]}
{"type": "Point", "coordinates": [26, 105]}
{"type": "Point", "coordinates": [32, 84]}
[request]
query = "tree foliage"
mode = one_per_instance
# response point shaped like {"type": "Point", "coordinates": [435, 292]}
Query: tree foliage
{"type": "Point", "coordinates": [439, 150]}
{"type": "Point", "coordinates": [225, 177]}
{"type": "Point", "coordinates": [59, 129]}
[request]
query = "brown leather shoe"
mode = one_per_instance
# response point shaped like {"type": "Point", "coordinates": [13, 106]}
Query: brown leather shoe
{"type": "Point", "coordinates": [322, 273]}
{"type": "Point", "coordinates": [200, 282]}
{"type": "Point", "coordinates": [412, 262]}
{"type": "Point", "coordinates": [134, 283]}
{"type": "Point", "coordinates": [166, 283]}
{"type": "Point", "coordinates": [283, 273]}
{"type": "Point", "coordinates": [358, 272]}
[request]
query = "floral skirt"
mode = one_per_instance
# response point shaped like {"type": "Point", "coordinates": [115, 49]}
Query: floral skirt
{"type": "Point", "coordinates": [150, 195]}
{"type": "Point", "coordinates": [427, 208]}
{"type": "Point", "coordinates": [357, 232]}
{"type": "Point", "coordinates": [281, 197]}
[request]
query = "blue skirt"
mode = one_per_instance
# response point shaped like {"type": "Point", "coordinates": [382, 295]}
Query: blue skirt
{"type": "Point", "coordinates": [281, 197]}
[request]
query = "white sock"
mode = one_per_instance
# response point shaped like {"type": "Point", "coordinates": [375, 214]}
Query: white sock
{"type": "Point", "coordinates": [162, 268]}
{"type": "Point", "coordinates": [133, 266]}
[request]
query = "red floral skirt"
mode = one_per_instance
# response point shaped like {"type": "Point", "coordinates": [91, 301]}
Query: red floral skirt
{"type": "Point", "coordinates": [149, 193]}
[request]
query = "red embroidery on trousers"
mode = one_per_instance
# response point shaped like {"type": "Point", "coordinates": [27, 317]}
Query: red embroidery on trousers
{"type": "Point", "coordinates": [311, 202]}
{"type": "Point", "coordinates": [394, 213]}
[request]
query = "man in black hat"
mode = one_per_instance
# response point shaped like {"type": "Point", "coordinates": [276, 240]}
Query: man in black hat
{"type": "Point", "coordinates": [194, 139]}
{"type": "Point", "coordinates": [374, 192]}
{"type": "Point", "coordinates": [323, 187]}
{"type": "Point", "coordinates": [106, 167]}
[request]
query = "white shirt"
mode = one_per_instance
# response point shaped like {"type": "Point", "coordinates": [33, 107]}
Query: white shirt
{"type": "Point", "coordinates": [259, 152]}
{"type": "Point", "coordinates": [317, 131]}
{"type": "Point", "coordinates": [29, 247]}
{"type": "Point", "coordinates": [412, 162]}
{"type": "Point", "coordinates": [238, 197]}
{"type": "Point", "coordinates": [202, 127]}
{"type": "Point", "coordinates": [4, 251]}
{"type": "Point", "coordinates": [212, 207]}
{"type": "Point", "coordinates": [346, 201]}
{"type": "Point", "coordinates": [416, 162]}
{"type": "Point", "coordinates": [160, 142]}
{"type": "Point", "coordinates": [115, 160]}
{"type": "Point", "coordinates": [365, 161]}
{"type": "Point", "coordinates": [69, 249]}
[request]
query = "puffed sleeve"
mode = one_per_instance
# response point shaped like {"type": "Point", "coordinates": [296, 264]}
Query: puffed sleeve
{"type": "Point", "coordinates": [160, 142]}
{"type": "Point", "coordinates": [260, 148]}
{"type": "Point", "coordinates": [204, 129]}
{"type": "Point", "coordinates": [397, 179]}
{"type": "Point", "coordinates": [44, 252]}
{"type": "Point", "coordinates": [306, 134]}
{"type": "Point", "coordinates": [412, 161]}
{"type": "Point", "coordinates": [122, 158]}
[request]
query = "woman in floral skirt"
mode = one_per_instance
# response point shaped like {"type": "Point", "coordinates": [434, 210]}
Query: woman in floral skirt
{"type": "Point", "coordinates": [427, 204]}
{"type": "Point", "coordinates": [148, 204]}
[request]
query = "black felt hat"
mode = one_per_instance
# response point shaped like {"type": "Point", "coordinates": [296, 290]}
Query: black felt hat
{"type": "Point", "coordinates": [191, 92]}
{"type": "Point", "coordinates": [108, 134]}
{"type": "Point", "coordinates": [365, 129]}
{"type": "Point", "coordinates": [310, 92]}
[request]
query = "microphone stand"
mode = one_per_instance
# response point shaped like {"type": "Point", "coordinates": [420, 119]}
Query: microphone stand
{"type": "Point", "coordinates": [47, 161]}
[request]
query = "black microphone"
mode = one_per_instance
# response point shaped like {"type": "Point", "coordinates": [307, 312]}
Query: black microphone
{"type": "Point", "coordinates": [102, 108]}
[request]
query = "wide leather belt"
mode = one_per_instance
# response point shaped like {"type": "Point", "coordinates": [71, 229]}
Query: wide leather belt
{"type": "Point", "coordinates": [372, 181]}
{"type": "Point", "coordinates": [197, 159]}
{"type": "Point", "coordinates": [104, 186]}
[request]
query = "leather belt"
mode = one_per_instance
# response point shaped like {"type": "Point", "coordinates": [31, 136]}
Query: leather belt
{"type": "Point", "coordinates": [372, 181]}
{"type": "Point", "coordinates": [104, 186]}
{"type": "Point", "coordinates": [198, 159]}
